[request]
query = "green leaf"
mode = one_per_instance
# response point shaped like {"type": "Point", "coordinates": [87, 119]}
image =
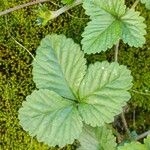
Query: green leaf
{"type": "Point", "coordinates": [133, 28]}
{"type": "Point", "coordinates": [103, 92]}
{"type": "Point", "coordinates": [147, 3]}
{"type": "Point", "coordinates": [59, 66]}
{"type": "Point", "coordinates": [136, 145]}
{"type": "Point", "coordinates": [105, 28]}
{"type": "Point", "coordinates": [99, 138]}
{"type": "Point", "coordinates": [100, 34]}
{"type": "Point", "coordinates": [44, 15]}
{"type": "Point", "coordinates": [132, 146]}
{"type": "Point", "coordinates": [67, 1]}
{"type": "Point", "coordinates": [51, 118]}
{"type": "Point", "coordinates": [110, 22]}
{"type": "Point", "coordinates": [99, 8]}
{"type": "Point", "coordinates": [147, 142]}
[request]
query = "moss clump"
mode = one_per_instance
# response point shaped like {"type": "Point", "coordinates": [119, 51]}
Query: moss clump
{"type": "Point", "coordinates": [16, 74]}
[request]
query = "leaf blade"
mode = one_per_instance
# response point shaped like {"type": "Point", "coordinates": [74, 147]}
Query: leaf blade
{"type": "Point", "coordinates": [99, 138]}
{"type": "Point", "coordinates": [59, 66]}
{"type": "Point", "coordinates": [105, 28]}
{"type": "Point", "coordinates": [51, 118]}
{"type": "Point", "coordinates": [103, 92]}
{"type": "Point", "coordinates": [133, 28]}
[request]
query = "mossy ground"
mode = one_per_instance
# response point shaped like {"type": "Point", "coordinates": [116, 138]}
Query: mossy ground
{"type": "Point", "coordinates": [16, 77]}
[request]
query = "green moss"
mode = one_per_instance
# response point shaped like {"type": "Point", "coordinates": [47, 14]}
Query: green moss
{"type": "Point", "coordinates": [16, 77]}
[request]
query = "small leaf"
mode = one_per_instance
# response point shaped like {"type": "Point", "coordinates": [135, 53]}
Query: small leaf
{"type": "Point", "coordinates": [44, 15]}
{"type": "Point", "coordinates": [99, 138]}
{"type": "Point", "coordinates": [132, 146]}
{"type": "Point", "coordinates": [147, 3]}
{"type": "Point", "coordinates": [133, 29]}
{"type": "Point", "coordinates": [103, 92]}
{"type": "Point", "coordinates": [67, 1]}
{"type": "Point", "coordinates": [59, 66]}
{"type": "Point", "coordinates": [51, 118]}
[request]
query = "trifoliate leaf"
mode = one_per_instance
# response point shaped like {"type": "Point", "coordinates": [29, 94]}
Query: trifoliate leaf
{"type": "Point", "coordinates": [59, 65]}
{"type": "Point", "coordinates": [105, 28]}
{"type": "Point", "coordinates": [147, 3]}
{"type": "Point", "coordinates": [110, 22]}
{"type": "Point", "coordinates": [132, 146]}
{"type": "Point", "coordinates": [67, 1]}
{"type": "Point", "coordinates": [51, 118]}
{"type": "Point", "coordinates": [133, 29]}
{"type": "Point", "coordinates": [147, 142]}
{"type": "Point", "coordinates": [99, 138]}
{"type": "Point", "coordinates": [103, 92]}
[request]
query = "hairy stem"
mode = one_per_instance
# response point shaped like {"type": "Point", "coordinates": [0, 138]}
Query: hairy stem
{"type": "Point", "coordinates": [122, 114]}
{"type": "Point", "coordinates": [143, 135]}
{"type": "Point", "coordinates": [22, 6]}
{"type": "Point", "coordinates": [116, 51]}
{"type": "Point", "coordinates": [135, 4]}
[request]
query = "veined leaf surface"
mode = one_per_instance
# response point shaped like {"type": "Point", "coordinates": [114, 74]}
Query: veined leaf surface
{"type": "Point", "coordinates": [133, 28]}
{"type": "Point", "coordinates": [99, 138]}
{"type": "Point", "coordinates": [105, 29]}
{"type": "Point", "coordinates": [59, 66]}
{"type": "Point", "coordinates": [103, 92]}
{"type": "Point", "coordinates": [51, 118]}
{"type": "Point", "coordinates": [110, 22]}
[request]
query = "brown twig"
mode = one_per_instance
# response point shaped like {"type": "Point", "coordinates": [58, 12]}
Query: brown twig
{"type": "Point", "coordinates": [21, 6]}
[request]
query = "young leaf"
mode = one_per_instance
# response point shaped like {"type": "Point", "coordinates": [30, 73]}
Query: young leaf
{"type": "Point", "coordinates": [59, 65]}
{"type": "Point", "coordinates": [51, 118]}
{"type": "Point", "coordinates": [103, 92]}
{"type": "Point", "coordinates": [105, 29]}
{"type": "Point", "coordinates": [133, 28]}
{"type": "Point", "coordinates": [132, 146]}
{"type": "Point", "coordinates": [99, 138]}
{"type": "Point", "coordinates": [147, 3]}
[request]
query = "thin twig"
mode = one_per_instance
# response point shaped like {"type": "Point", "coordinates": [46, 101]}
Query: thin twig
{"type": "Point", "coordinates": [23, 47]}
{"type": "Point", "coordinates": [16, 40]}
{"type": "Point", "coordinates": [116, 51]}
{"type": "Point", "coordinates": [143, 135]}
{"type": "Point", "coordinates": [125, 124]}
{"type": "Point", "coordinates": [135, 4]}
{"type": "Point", "coordinates": [21, 6]}
{"type": "Point", "coordinates": [58, 12]}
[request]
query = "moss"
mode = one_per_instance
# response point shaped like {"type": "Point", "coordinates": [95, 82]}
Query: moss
{"type": "Point", "coordinates": [16, 77]}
